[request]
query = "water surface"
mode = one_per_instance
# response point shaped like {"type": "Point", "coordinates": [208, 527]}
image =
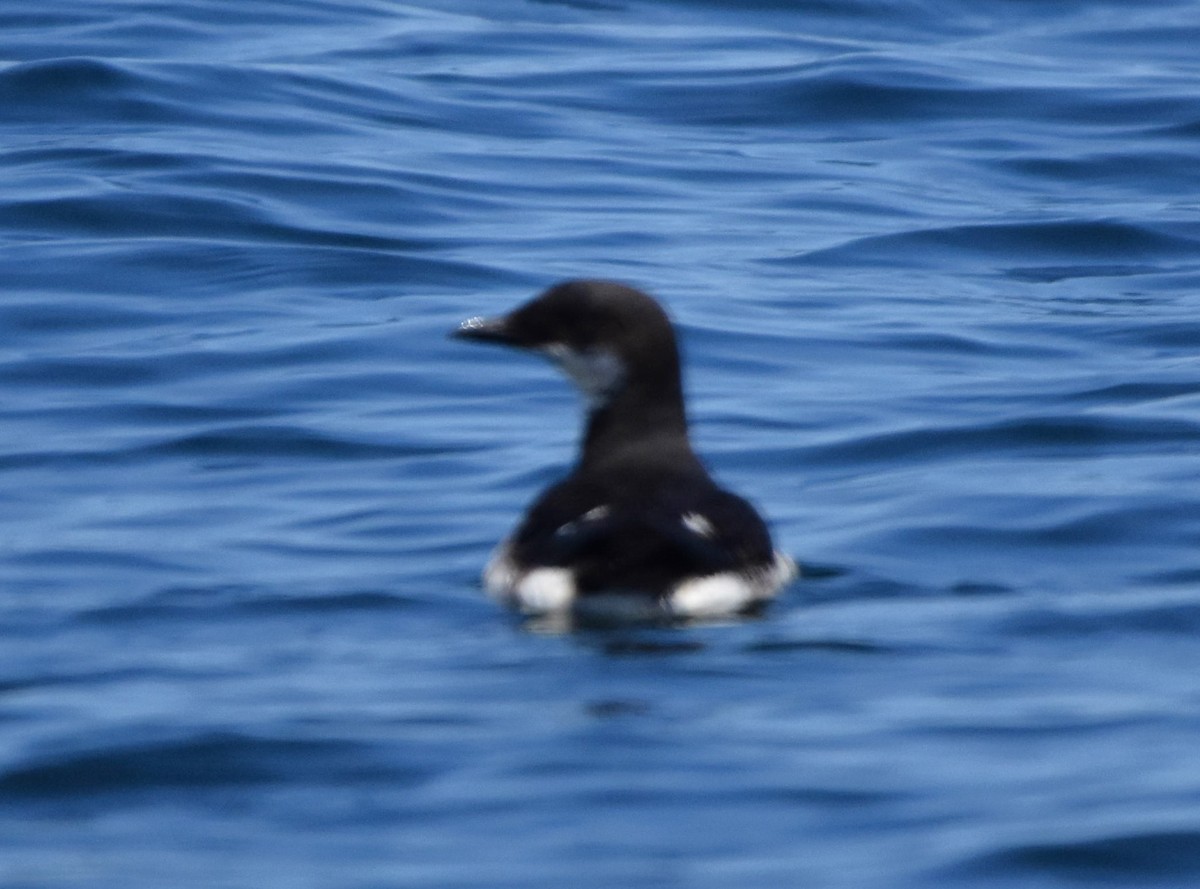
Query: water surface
{"type": "Point", "coordinates": [935, 270]}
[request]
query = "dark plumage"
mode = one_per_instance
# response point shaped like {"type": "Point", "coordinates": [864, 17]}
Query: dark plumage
{"type": "Point", "coordinates": [638, 520]}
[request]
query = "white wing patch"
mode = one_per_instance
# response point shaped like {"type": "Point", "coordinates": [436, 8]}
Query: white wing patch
{"type": "Point", "coordinates": [594, 514]}
{"type": "Point", "coordinates": [699, 525]}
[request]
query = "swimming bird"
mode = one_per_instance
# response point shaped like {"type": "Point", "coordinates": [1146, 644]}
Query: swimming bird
{"type": "Point", "coordinates": [638, 526]}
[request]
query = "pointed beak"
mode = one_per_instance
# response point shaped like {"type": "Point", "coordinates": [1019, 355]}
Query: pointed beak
{"type": "Point", "coordinates": [484, 330]}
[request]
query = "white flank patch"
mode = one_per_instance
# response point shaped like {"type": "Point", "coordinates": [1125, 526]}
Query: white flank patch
{"type": "Point", "coordinates": [717, 594]}
{"type": "Point", "coordinates": [537, 591]}
{"type": "Point", "coordinates": [545, 589]}
{"type": "Point", "coordinates": [730, 591]}
{"type": "Point", "coordinates": [548, 590]}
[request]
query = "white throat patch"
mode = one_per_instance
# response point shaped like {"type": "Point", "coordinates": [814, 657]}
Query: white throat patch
{"type": "Point", "coordinates": [596, 372]}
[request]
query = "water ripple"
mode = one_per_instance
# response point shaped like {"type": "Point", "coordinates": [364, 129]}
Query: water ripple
{"type": "Point", "coordinates": [1082, 240]}
{"type": "Point", "coordinates": [1050, 435]}
{"type": "Point", "coordinates": [208, 761]}
{"type": "Point", "coordinates": [1139, 856]}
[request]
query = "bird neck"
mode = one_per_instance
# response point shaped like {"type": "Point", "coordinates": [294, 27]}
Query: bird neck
{"type": "Point", "coordinates": [636, 416]}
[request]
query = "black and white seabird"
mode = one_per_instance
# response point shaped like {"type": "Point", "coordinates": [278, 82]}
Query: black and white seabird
{"type": "Point", "coordinates": [638, 521]}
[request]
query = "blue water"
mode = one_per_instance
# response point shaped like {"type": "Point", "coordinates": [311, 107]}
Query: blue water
{"type": "Point", "coordinates": [936, 267]}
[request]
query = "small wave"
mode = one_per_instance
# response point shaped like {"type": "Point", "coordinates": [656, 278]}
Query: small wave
{"type": "Point", "coordinates": [239, 444]}
{"type": "Point", "coordinates": [1052, 274]}
{"type": "Point", "coordinates": [223, 601]}
{"type": "Point", "coordinates": [1121, 172]}
{"type": "Point", "coordinates": [1055, 435]}
{"type": "Point", "coordinates": [1113, 859]}
{"type": "Point", "coordinates": [281, 441]}
{"type": "Point", "coordinates": [219, 217]}
{"type": "Point", "coordinates": [88, 90]}
{"type": "Point", "coordinates": [819, 644]}
{"type": "Point", "coordinates": [204, 761]}
{"type": "Point", "coordinates": [67, 87]}
{"type": "Point", "coordinates": [1083, 239]}
{"type": "Point", "coordinates": [1138, 392]}
{"type": "Point", "coordinates": [1155, 613]}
